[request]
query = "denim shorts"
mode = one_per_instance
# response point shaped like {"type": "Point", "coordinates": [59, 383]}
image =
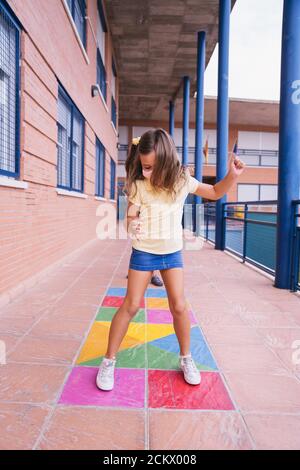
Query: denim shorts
{"type": "Point", "coordinates": [144, 261]}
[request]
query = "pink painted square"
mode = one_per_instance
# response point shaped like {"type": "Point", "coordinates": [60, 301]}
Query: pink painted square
{"type": "Point", "coordinates": [165, 316]}
{"type": "Point", "coordinates": [128, 391]}
{"type": "Point", "coordinates": [113, 301]}
{"type": "Point", "coordinates": [168, 389]}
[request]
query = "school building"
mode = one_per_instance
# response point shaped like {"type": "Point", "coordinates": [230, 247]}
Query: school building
{"type": "Point", "coordinates": [78, 80]}
{"type": "Point", "coordinates": [253, 125]}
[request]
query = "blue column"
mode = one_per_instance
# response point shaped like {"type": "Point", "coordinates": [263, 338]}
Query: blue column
{"type": "Point", "coordinates": [185, 119]}
{"type": "Point", "coordinates": [199, 119]}
{"type": "Point", "coordinates": [289, 138]}
{"type": "Point", "coordinates": [171, 118]}
{"type": "Point", "coordinates": [199, 109]}
{"type": "Point", "coordinates": [222, 112]}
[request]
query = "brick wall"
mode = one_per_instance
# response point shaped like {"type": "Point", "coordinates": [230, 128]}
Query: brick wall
{"type": "Point", "coordinates": [38, 225]}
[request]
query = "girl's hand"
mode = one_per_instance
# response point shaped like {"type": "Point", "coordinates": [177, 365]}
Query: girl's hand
{"type": "Point", "coordinates": [236, 166]}
{"type": "Point", "coordinates": [135, 228]}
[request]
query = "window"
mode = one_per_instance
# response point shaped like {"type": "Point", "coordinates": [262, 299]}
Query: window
{"type": "Point", "coordinates": [112, 178]}
{"type": "Point", "coordinates": [101, 30]}
{"type": "Point", "coordinates": [248, 192]}
{"type": "Point", "coordinates": [113, 96]}
{"type": "Point", "coordinates": [70, 148]}
{"type": "Point", "coordinates": [268, 192]}
{"type": "Point", "coordinates": [78, 12]}
{"type": "Point", "coordinates": [258, 148]}
{"type": "Point", "coordinates": [101, 75]}
{"type": "Point", "coordinates": [9, 94]}
{"type": "Point", "coordinates": [100, 169]}
{"type": "Point", "coordinates": [257, 192]}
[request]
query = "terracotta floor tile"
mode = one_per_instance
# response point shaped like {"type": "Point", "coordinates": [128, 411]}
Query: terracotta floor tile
{"type": "Point", "coordinates": [228, 335]}
{"type": "Point", "coordinates": [78, 312]}
{"type": "Point", "coordinates": [10, 342]}
{"type": "Point", "coordinates": [247, 358]}
{"type": "Point", "coordinates": [215, 430]}
{"type": "Point", "coordinates": [64, 329]}
{"type": "Point", "coordinates": [31, 383]}
{"type": "Point", "coordinates": [263, 392]}
{"type": "Point", "coordinates": [21, 425]}
{"type": "Point", "coordinates": [93, 428]}
{"type": "Point", "coordinates": [218, 319]}
{"type": "Point", "coordinates": [274, 432]}
{"type": "Point", "coordinates": [15, 325]}
{"type": "Point", "coordinates": [45, 350]}
{"type": "Point", "coordinates": [260, 319]}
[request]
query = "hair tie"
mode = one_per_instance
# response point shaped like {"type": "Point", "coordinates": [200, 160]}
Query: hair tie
{"type": "Point", "coordinates": [136, 140]}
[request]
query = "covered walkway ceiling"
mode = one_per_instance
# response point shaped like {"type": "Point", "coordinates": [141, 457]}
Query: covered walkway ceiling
{"type": "Point", "coordinates": [242, 112]}
{"type": "Point", "coordinates": [155, 45]}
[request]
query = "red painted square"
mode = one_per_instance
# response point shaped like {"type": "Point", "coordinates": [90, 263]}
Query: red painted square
{"type": "Point", "coordinates": [168, 389]}
{"type": "Point", "coordinates": [113, 301]}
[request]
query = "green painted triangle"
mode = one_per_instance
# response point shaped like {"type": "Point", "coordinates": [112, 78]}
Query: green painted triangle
{"type": "Point", "coordinates": [161, 359]}
{"type": "Point", "coordinates": [133, 358]}
{"type": "Point", "coordinates": [107, 314]}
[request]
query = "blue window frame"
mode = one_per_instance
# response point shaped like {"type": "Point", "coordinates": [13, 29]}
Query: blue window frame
{"type": "Point", "coordinates": [113, 112]}
{"type": "Point", "coordinates": [70, 144]}
{"type": "Point", "coordinates": [9, 93]}
{"type": "Point", "coordinates": [101, 74]}
{"type": "Point", "coordinates": [78, 12]}
{"type": "Point", "coordinates": [113, 103]}
{"type": "Point", "coordinates": [100, 169]}
{"type": "Point", "coordinates": [112, 178]}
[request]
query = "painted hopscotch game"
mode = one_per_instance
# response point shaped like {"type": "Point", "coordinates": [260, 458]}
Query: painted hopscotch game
{"type": "Point", "coordinates": [147, 373]}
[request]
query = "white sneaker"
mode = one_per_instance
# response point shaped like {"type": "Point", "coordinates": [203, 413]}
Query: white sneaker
{"type": "Point", "coordinates": [191, 373]}
{"type": "Point", "coordinates": [105, 376]}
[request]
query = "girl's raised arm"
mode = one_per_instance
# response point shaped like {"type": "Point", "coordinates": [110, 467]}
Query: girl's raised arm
{"type": "Point", "coordinates": [217, 191]}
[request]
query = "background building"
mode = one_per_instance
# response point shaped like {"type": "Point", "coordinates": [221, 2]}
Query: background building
{"type": "Point", "coordinates": [253, 125]}
{"type": "Point", "coordinates": [58, 142]}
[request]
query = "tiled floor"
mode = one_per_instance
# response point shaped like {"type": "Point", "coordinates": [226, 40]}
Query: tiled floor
{"type": "Point", "coordinates": [147, 374]}
{"type": "Point", "coordinates": [244, 334]}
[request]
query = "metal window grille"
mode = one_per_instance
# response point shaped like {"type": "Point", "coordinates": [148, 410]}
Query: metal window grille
{"type": "Point", "coordinates": [101, 74]}
{"type": "Point", "coordinates": [113, 112]}
{"type": "Point", "coordinates": [70, 148]}
{"type": "Point", "coordinates": [112, 178]}
{"type": "Point", "coordinates": [78, 12]}
{"type": "Point", "coordinates": [100, 169]}
{"type": "Point", "coordinates": [9, 94]}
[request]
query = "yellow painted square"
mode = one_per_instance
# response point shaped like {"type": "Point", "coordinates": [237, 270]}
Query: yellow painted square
{"type": "Point", "coordinates": [159, 303]}
{"type": "Point", "coordinates": [97, 340]}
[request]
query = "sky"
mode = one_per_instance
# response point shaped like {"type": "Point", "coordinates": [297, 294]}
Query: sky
{"type": "Point", "coordinates": [255, 50]}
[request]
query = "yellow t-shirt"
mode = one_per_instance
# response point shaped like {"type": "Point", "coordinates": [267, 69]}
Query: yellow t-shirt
{"type": "Point", "coordinates": [160, 216]}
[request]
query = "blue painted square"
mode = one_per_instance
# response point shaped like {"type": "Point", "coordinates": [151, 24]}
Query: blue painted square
{"type": "Point", "coordinates": [117, 291]}
{"type": "Point", "coordinates": [156, 293]}
{"type": "Point", "coordinates": [199, 348]}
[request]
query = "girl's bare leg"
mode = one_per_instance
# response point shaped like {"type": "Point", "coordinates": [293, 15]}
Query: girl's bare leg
{"type": "Point", "coordinates": [136, 285]}
{"type": "Point", "coordinates": [173, 280]}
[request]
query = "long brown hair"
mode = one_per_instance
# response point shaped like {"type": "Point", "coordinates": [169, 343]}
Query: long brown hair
{"type": "Point", "coordinates": [168, 171]}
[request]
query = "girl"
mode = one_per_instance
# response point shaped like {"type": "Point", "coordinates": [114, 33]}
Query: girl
{"type": "Point", "coordinates": [157, 186]}
{"type": "Point", "coordinates": [155, 280]}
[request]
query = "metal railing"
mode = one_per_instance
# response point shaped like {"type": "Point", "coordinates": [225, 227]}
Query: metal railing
{"type": "Point", "coordinates": [252, 157]}
{"type": "Point", "coordinates": [249, 230]}
{"type": "Point", "coordinates": [208, 229]}
{"type": "Point", "coordinates": [295, 264]}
